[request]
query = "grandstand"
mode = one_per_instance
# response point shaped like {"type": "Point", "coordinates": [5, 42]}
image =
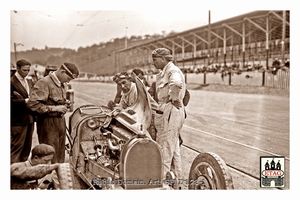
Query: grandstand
{"type": "Point", "coordinates": [255, 38]}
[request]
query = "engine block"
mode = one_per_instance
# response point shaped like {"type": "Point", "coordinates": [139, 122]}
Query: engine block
{"type": "Point", "coordinates": [107, 147]}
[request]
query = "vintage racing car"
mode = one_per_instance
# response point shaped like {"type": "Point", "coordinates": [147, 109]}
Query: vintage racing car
{"type": "Point", "coordinates": [110, 149]}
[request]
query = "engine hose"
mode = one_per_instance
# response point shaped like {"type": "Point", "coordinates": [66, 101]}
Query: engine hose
{"type": "Point", "coordinates": [111, 146]}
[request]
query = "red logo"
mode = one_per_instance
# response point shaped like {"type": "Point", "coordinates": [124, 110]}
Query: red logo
{"type": "Point", "coordinates": [273, 173]}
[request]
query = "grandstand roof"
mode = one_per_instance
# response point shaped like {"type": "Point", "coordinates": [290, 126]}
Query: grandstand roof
{"type": "Point", "coordinates": [254, 23]}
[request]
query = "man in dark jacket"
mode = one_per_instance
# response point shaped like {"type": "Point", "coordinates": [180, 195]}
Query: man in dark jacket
{"type": "Point", "coordinates": [22, 124]}
{"type": "Point", "coordinates": [48, 100]}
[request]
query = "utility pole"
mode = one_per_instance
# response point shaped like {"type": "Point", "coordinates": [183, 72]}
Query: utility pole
{"type": "Point", "coordinates": [15, 49]}
{"type": "Point", "coordinates": [126, 37]}
{"type": "Point", "coordinates": [283, 38]}
{"type": "Point", "coordinates": [115, 49]}
{"type": "Point", "coordinates": [208, 55]}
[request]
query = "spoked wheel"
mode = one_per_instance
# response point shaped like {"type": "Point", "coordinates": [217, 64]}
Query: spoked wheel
{"type": "Point", "coordinates": [209, 172]}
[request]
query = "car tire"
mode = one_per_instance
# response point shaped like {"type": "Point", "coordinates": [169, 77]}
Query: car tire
{"type": "Point", "coordinates": [209, 172]}
{"type": "Point", "coordinates": [65, 176]}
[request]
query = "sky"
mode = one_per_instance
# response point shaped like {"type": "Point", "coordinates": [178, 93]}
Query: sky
{"type": "Point", "coordinates": [81, 28]}
{"type": "Point", "coordinates": [54, 24]}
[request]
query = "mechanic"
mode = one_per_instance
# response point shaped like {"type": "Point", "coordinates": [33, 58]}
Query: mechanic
{"type": "Point", "coordinates": [37, 172]}
{"type": "Point", "coordinates": [128, 96]}
{"type": "Point", "coordinates": [48, 100]}
{"type": "Point", "coordinates": [128, 93]}
{"type": "Point", "coordinates": [22, 120]}
{"type": "Point", "coordinates": [140, 74]}
{"type": "Point", "coordinates": [170, 88]}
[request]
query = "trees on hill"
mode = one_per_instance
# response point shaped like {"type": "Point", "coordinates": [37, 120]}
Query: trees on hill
{"type": "Point", "coordinates": [98, 58]}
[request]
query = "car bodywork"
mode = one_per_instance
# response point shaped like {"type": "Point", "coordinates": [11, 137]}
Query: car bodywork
{"type": "Point", "coordinates": [110, 149]}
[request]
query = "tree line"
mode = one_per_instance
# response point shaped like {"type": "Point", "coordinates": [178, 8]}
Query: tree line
{"type": "Point", "coordinates": [97, 58]}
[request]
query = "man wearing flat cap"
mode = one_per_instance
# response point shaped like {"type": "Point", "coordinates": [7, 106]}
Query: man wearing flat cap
{"type": "Point", "coordinates": [48, 101]}
{"type": "Point", "coordinates": [37, 172]}
{"type": "Point", "coordinates": [170, 90]}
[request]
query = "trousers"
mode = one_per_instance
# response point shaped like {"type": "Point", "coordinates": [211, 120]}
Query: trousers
{"type": "Point", "coordinates": [20, 142]}
{"type": "Point", "coordinates": [52, 131]}
{"type": "Point", "coordinates": [168, 126]}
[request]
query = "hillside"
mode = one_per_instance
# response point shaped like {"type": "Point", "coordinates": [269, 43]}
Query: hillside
{"type": "Point", "coordinates": [98, 58]}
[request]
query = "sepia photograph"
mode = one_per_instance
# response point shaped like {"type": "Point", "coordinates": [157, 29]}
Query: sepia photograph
{"type": "Point", "coordinates": [149, 96]}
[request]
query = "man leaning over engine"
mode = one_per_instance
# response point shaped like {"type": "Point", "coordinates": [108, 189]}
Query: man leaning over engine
{"type": "Point", "coordinates": [128, 95]}
{"type": "Point", "coordinates": [128, 91]}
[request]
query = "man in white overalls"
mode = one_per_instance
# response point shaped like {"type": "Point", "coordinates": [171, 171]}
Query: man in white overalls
{"type": "Point", "coordinates": [170, 89]}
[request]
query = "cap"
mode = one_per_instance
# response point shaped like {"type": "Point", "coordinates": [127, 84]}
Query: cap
{"type": "Point", "coordinates": [42, 150]}
{"type": "Point", "coordinates": [121, 75]}
{"type": "Point", "coordinates": [162, 52]}
{"type": "Point", "coordinates": [23, 62]}
{"type": "Point", "coordinates": [71, 69]}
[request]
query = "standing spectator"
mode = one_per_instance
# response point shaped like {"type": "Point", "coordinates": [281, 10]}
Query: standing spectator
{"type": "Point", "coordinates": [170, 88]}
{"type": "Point", "coordinates": [48, 100]}
{"type": "Point", "coordinates": [22, 123]}
{"type": "Point", "coordinates": [37, 172]}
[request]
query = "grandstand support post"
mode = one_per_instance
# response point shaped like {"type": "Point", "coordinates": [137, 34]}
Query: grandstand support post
{"type": "Point", "coordinates": [209, 41]}
{"type": "Point", "coordinates": [244, 59]}
{"type": "Point", "coordinates": [229, 73]}
{"type": "Point", "coordinates": [204, 79]}
{"type": "Point", "coordinates": [208, 60]}
{"type": "Point", "coordinates": [263, 78]}
{"type": "Point", "coordinates": [267, 61]}
{"type": "Point", "coordinates": [283, 36]}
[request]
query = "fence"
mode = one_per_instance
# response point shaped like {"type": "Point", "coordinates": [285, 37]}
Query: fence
{"type": "Point", "coordinates": [251, 78]}
{"type": "Point", "coordinates": [281, 80]}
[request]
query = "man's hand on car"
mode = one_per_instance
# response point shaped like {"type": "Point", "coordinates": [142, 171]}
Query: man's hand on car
{"type": "Point", "coordinates": [111, 104]}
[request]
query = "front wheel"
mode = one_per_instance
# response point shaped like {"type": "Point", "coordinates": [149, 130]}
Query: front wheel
{"type": "Point", "coordinates": [65, 176]}
{"type": "Point", "coordinates": [209, 172]}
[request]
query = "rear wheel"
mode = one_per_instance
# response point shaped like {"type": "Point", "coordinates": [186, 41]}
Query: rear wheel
{"type": "Point", "coordinates": [209, 172]}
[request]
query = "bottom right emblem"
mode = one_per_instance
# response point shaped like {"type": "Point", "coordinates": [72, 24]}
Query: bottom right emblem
{"type": "Point", "coordinates": [272, 171]}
